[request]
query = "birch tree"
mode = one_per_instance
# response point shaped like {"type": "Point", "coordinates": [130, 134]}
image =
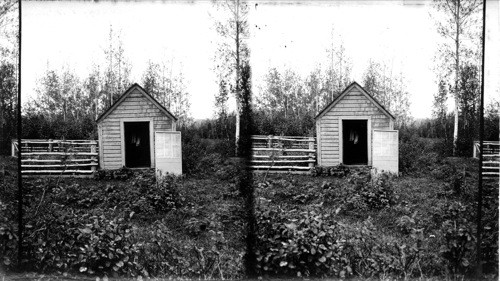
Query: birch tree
{"type": "Point", "coordinates": [439, 106]}
{"type": "Point", "coordinates": [338, 74]}
{"type": "Point", "coordinates": [8, 72]}
{"type": "Point", "coordinates": [168, 88]}
{"type": "Point", "coordinates": [117, 68]}
{"type": "Point", "coordinates": [93, 86]}
{"type": "Point", "coordinates": [457, 26]}
{"type": "Point", "coordinates": [232, 51]}
{"type": "Point", "coordinates": [389, 88]}
{"type": "Point", "coordinates": [8, 102]}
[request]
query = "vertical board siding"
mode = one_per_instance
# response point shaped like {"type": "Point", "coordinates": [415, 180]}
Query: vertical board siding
{"type": "Point", "coordinates": [385, 150]}
{"type": "Point", "coordinates": [135, 105]}
{"type": "Point", "coordinates": [354, 103]}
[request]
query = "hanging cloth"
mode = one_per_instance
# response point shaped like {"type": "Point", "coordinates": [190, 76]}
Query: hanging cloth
{"type": "Point", "coordinates": [353, 136]}
{"type": "Point", "coordinates": [135, 140]}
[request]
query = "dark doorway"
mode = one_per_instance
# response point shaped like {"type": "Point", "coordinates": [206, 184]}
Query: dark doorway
{"type": "Point", "coordinates": [137, 147]}
{"type": "Point", "coordinates": [355, 142]}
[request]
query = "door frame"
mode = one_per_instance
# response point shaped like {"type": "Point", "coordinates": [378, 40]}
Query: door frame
{"type": "Point", "coordinates": [151, 137]}
{"type": "Point", "coordinates": [368, 134]}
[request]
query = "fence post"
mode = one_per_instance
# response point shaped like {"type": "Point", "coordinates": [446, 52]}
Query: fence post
{"type": "Point", "coordinates": [13, 148]}
{"type": "Point", "coordinates": [311, 154]}
{"type": "Point", "coordinates": [93, 158]}
{"type": "Point", "coordinates": [269, 141]}
{"type": "Point", "coordinates": [50, 145]}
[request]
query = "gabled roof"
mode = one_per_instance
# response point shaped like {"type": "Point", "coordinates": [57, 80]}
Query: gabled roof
{"type": "Point", "coordinates": [345, 92]}
{"type": "Point", "coordinates": [126, 94]}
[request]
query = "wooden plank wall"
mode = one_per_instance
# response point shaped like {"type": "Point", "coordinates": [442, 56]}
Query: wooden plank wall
{"type": "Point", "coordinates": [354, 103]}
{"type": "Point", "coordinates": [135, 105]}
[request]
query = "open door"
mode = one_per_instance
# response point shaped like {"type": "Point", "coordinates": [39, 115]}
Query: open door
{"type": "Point", "coordinates": [168, 152]}
{"type": "Point", "coordinates": [355, 142]}
{"type": "Point", "coordinates": [137, 146]}
{"type": "Point", "coordinates": [386, 150]}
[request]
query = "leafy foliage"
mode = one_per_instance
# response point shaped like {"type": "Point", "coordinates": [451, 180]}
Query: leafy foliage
{"type": "Point", "coordinates": [336, 171]}
{"type": "Point", "coordinates": [168, 88]}
{"type": "Point", "coordinates": [458, 237]}
{"type": "Point", "coordinates": [306, 245]}
{"type": "Point", "coordinates": [8, 236]}
{"type": "Point", "coordinates": [127, 223]}
{"type": "Point", "coordinates": [378, 193]}
{"type": "Point", "coordinates": [8, 104]}
{"type": "Point", "coordinates": [310, 243]}
{"type": "Point", "coordinates": [8, 213]}
{"type": "Point", "coordinates": [80, 242]}
{"type": "Point", "coordinates": [389, 89]}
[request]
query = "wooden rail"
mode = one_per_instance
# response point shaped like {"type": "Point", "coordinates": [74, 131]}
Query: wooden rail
{"type": "Point", "coordinates": [491, 159]}
{"type": "Point", "coordinates": [75, 158]}
{"type": "Point", "coordinates": [278, 154]}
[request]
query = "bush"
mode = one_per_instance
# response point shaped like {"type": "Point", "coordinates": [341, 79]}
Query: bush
{"type": "Point", "coordinates": [69, 241]}
{"type": "Point", "coordinates": [203, 156]}
{"type": "Point", "coordinates": [8, 236]}
{"type": "Point", "coordinates": [8, 212]}
{"type": "Point", "coordinates": [416, 155]}
{"type": "Point", "coordinates": [457, 244]}
{"type": "Point", "coordinates": [339, 171]}
{"type": "Point", "coordinates": [163, 254]}
{"type": "Point", "coordinates": [142, 194]}
{"type": "Point", "coordinates": [78, 227]}
{"type": "Point", "coordinates": [313, 243]}
{"type": "Point", "coordinates": [123, 173]}
{"type": "Point", "coordinates": [307, 245]}
{"type": "Point", "coordinates": [379, 193]}
{"type": "Point", "coordinates": [376, 193]}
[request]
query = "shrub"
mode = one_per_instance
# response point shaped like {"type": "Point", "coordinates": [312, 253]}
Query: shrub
{"type": "Point", "coordinates": [406, 224]}
{"type": "Point", "coordinates": [373, 254]}
{"type": "Point", "coordinates": [457, 243]}
{"type": "Point", "coordinates": [376, 193]}
{"type": "Point", "coordinates": [163, 254]}
{"type": "Point", "coordinates": [415, 154]}
{"type": "Point", "coordinates": [8, 212]}
{"type": "Point", "coordinates": [379, 193]}
{"type": "Point", "coordinates": [227, 172]}
{"type": "Point", "coordinates": [307, 245]}
{"type": "Point", "coordinates": [339, 171]}
{"type": "Point", "coordinates": [123, 173]}
{"type": "Point", "coordinates": [77, 242]}
{"type": "Point", "coordinates": [8, 236]}
{"type": "Point", "coordinates": [312, 243]}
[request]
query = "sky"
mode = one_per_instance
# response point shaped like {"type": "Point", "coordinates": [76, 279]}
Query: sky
{"type": "Point", "coordinates": [283, 34]}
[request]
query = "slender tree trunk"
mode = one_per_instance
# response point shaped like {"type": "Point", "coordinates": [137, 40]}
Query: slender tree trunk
{"type": "Point", "coordinates": [64, 110]}
{"type": "Point", "coordinates": [238, 107]}
{"type": "Point", "coordinates": [457, 70]}
{"type": "Point", "coordinates": [95, 107]}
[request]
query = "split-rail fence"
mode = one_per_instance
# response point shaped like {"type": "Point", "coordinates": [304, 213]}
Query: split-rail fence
{"type": "Point", "coordinates": [283, 154]}
{"type": "Point", "coordinates": [75, 158]}
{"type": "Point", "coordinates": [491, 158]}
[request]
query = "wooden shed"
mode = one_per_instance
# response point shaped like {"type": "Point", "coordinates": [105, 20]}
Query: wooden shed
{"type": "Point", "coordinates": [138, 132]}
{"type": "Point", "coordinates": [355, 129]}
